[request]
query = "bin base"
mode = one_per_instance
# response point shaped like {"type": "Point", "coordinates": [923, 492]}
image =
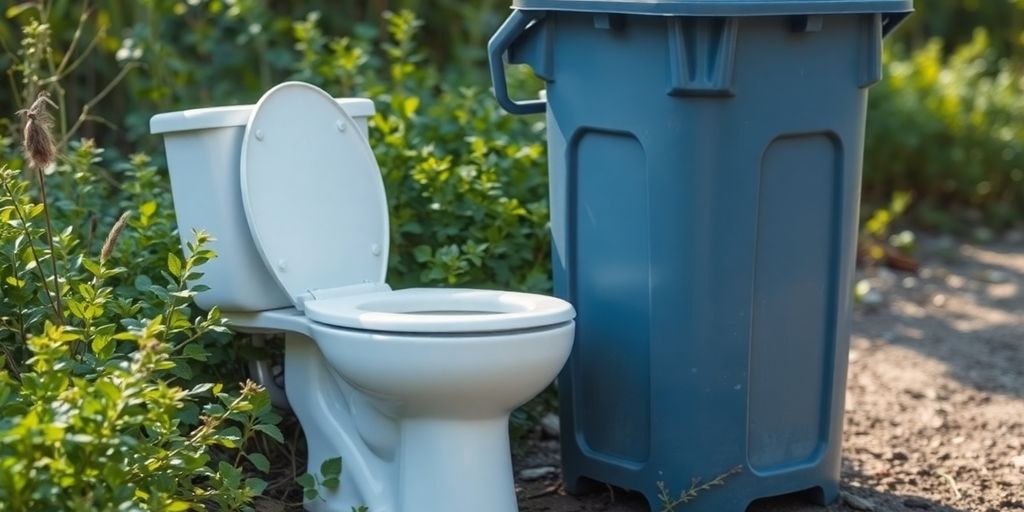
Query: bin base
{"type": "Point", "coordinates": [719, 499]}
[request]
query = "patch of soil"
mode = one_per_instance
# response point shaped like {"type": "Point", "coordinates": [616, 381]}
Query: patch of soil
{"type": "Point", "coordinates": [934, 402]}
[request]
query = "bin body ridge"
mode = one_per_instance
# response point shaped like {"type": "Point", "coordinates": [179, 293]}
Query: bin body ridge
{"type": "Point", "coordinates": [704, 180]}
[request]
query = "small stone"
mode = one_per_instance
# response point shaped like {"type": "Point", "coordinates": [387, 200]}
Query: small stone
{"type": "Point", "coordinates": [1014, 236]}
{"type": "Point", "coordinates": [531, 474]}
{"type": "Point", "coordinates": [992, 276]}
{"type": "Point", "coordinates": [939, 300]}
{"type": "Point", "coordinates": [954, 281]}
{"type": "Point", "coordinates": [858, 503]}
{"type": "Point", "coordinates": [872, 298]}
{"type": "Point", "coordinates": [1018, 461]}
{"type": "Point", "coordinates": [915, 502]}
{"type": "Point", "coordinates": [1011, 480]}
{"type": "Point", "coordinates": [909, 282]}
{"type": "Point", "coordinates": [550, 425]}
{"type": "Point", "coordinates": [885, 277]}
{"type": "Point", "coordinates": [898, 456]}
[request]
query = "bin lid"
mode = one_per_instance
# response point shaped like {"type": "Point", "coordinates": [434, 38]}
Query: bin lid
{"type": "Point", "coordinates": [893, 10]}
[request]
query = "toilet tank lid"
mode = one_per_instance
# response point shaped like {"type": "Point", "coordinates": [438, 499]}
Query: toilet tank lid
{"type": "Point", "coordinates": [237, 115]}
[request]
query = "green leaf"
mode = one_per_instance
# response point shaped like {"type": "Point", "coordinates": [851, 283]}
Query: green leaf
{"type": "Point", "coordinates": [256, 485]}
{"type": "Point", "coordinates": [142, 282]}
{"type": "Point", "coordinates": [331, 483]}
{"type": "Point", "coordinates": [422, 253]}
{"type": "Point", "coordinates": [270, 430]}
{"type": "Point", "coordinates": [181, 370]}
{"type": "Point", "coordinates": [331, 467]}
{"type": "Point", "coordinates": [195, 351]}
{"type": "Point", "coordinates": [230, 437]}
{"type": "Point", "coordinates": [307, 481]}
{"type": "Point", "coordinates": [259, 460]}
{"type": "Point", "coordinates": [15, 10]}
{"type": "Point", "coordinates": [148, 208]}
{"type": "Point", "coordinates": [178, 506]}
{"type": "Point", "coordinates": [261, 404]}
{"type": "Point", "coordinates": [231, 475]}
{"type": "Point", "coordinates": [200, 389]}
{"type": "Point", "coordinates": [174, 264]}
{"type": "Point", "coordinates": [410, 105]}
{"type": "Point", "coordinates": [99, 343]}
{"type": "Point", "coordinates": [92, 267]}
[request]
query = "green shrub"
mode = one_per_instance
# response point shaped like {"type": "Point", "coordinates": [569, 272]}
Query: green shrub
{"type": "Point", "coordinates": [954, 22]}
{"type": "Point", "coordinates": [109, 393]}
{"type": "Point", "coordinates": [188, 47]}
{"type": "Point", "coordinates": [465, 181]}
{"type": "Point", "coordinates": [108, 433]}
{"type": "Point", "coordinates": [952, 131]}
{"type": "Point", "coordinates": [93, 415]}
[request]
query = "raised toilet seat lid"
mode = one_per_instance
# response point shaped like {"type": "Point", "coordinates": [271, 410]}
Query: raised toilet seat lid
{"type": "Point", "coordinates": [312, 192]}
{"type": "Point", "coordinates": [441, 310]}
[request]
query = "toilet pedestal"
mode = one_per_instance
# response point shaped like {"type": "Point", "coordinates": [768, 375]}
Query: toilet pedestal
{"type": "Point", "coordinates": [325, 411]}
{"type": "Point", "coordinates": [452, 465]}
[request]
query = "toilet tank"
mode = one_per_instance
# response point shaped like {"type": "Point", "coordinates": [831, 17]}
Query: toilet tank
{"type": "Point", "coordinates": [203, 157]}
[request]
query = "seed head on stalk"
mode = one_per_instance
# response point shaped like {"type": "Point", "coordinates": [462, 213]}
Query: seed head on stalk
{"type": "Point", "coordinates": [39, 146]}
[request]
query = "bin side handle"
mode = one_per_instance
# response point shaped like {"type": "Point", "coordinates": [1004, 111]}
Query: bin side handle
{"type": "Point", "coordinates": [496, 49]}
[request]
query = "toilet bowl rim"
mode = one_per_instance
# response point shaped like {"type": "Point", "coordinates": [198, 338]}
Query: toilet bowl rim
{"type": "Point", "coordinates": [441, 311]}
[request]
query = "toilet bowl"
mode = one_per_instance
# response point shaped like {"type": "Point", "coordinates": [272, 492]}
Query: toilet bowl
{"type": "Point", "coordinates": [412, 388]}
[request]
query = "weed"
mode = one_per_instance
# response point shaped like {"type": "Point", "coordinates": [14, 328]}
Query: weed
{"type": "Point", "coordinates": [669, 503]}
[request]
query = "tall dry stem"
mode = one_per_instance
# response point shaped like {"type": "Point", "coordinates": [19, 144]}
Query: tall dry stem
{"type": "Point", "coordinates": [41, 153]}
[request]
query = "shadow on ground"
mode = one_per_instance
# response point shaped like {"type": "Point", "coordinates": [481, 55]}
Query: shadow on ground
{"type": "Point", "coordinates": [550, 497]}
{"type": "Point", "coordinates": [965, 308]}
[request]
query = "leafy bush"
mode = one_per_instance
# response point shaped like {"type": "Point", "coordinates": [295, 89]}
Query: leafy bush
{"type": "Point", "coordinates": [93, 415]}
{"type": "Point", "coordinates": [181, 44]}
{"type": "Point", "coordinates": [465, 185]}
{"type": "Point", "coordinates": [954, 22]}
{"type": "Point", "coordinates": [100, 404]}
{"type": "Point", "coordinates": [952, 131]}
{"type": "Point", "coordinates": [107, 433]}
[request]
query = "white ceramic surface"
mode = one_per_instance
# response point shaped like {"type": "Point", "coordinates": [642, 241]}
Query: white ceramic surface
{"type": "Point", "coordinates": [440, 310]}
{"type": "Point", "coordinates": [313, 193]}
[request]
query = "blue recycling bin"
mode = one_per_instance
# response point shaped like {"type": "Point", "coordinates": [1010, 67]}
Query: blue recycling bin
{"type": "Point", "coordinates": [705, 165]}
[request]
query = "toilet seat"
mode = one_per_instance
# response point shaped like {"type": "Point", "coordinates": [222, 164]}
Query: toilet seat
{"type": "Point", "coordinates": [440, 310]}
{"type": "Point", "coordinates": [312, 194]}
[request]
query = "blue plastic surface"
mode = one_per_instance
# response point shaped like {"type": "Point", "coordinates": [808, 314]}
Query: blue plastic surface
{"type": "Point", "coordinates": [705, 179]}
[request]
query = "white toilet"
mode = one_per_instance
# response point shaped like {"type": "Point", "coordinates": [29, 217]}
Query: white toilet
{"type": "Point", "coordinates": [412, 388]}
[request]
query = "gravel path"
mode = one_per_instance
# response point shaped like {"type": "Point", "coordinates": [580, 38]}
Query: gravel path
{"type": "Point", "coordinates": [935, 400]}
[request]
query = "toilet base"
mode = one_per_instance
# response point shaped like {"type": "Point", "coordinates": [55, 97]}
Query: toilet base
{"type": "Point", "coordinates": [326, 412]}
{"type": "Point", "coordinates": [456, 466]}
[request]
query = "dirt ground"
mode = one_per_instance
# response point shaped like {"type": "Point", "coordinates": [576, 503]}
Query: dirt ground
{"type": "Point", "coordinates": [935, 399]}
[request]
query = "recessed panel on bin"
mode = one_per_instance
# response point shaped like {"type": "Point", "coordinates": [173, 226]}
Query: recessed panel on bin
{"type": "Point", "coordinates": [611, 291]}
{"type": "Point", "coordinates": [793, 335]}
